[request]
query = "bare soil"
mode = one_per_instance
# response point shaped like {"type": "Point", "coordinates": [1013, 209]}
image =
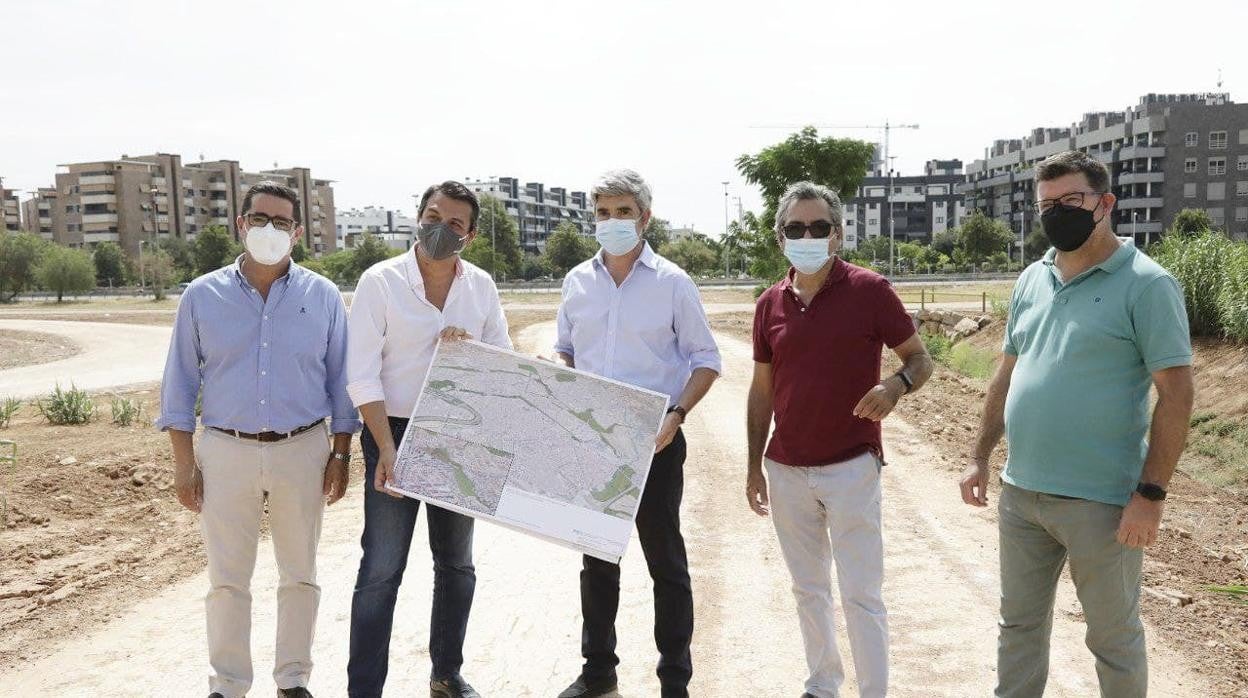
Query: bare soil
{"type": "Point", "coordinates": [20, 348]}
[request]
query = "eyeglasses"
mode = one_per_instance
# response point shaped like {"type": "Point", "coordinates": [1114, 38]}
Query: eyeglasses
{"type": "Point", "coordinates": [1071, 200]}
{"type": "Point", "coordinates": [818, 229]}
{"type": "Point", "coordinates": [259, 220]}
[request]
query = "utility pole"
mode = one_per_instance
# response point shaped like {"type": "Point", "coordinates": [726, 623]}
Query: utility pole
{"type": "Point", "coordinates": [726, 260]}
{"type": "Point", "coordinates": [888, 201]}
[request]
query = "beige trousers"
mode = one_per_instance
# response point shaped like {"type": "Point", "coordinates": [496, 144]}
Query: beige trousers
{"type": "Point", "coordinates": [239, 476]}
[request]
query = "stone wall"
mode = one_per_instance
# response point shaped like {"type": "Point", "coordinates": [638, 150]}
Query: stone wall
{"type": "Point", "coordinates": [949, 323]}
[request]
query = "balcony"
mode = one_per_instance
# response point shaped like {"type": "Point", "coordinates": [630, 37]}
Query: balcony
{"type": "Point", "coordinates": [1140, 177]}
{"type": "Point", "coordinates": [91, 180]}
{"type": "Point", "coordinates": [1142, 202]}
{"type": "Point", "coordinates": [219, 186]}
{"type": "Point", "coordinates": [88, 199]}
{"type": "Point", "coordinates": [90, 237]}
{"type": "Point", "coordinates": [1125, 227]}
{"type": "Point", "coordinates": [95, 218]}
{"type": "Point", "coordinates": [1132, 152]}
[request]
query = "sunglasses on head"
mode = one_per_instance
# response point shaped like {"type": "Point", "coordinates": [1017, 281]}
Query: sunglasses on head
{"type": "Point", "coordinates": [818, 229]}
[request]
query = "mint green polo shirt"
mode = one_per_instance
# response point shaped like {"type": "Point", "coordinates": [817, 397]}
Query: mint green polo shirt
{"type": "Point", "coordinates": [1077, 411]}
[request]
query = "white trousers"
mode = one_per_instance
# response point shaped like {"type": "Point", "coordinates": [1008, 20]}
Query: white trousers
{"type": "Point", "coordinates": [239, 475]}
{"type": "Point", "coordinates": [828, 513]}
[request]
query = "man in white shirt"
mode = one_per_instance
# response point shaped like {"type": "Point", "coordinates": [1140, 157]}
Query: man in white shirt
{"type": "Point", "coordinates": [630, 315]}
{"type": "Point", "coordinates": [401, 307]}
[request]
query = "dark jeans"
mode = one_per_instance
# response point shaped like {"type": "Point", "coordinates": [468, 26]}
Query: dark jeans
{"type": "Point", "coordinates": [658, 528]}
{"type": "Point", "coordinates": [388, 526]}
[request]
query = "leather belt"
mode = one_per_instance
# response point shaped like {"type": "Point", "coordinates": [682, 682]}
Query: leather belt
{"type": "Point", "coordinates": [268, 436]}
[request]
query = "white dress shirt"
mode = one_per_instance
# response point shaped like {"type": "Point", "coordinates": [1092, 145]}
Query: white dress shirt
{"type": "Point", "coordinates": [650, 331]}
{"type": "Point", "coordinates": [392, 331]}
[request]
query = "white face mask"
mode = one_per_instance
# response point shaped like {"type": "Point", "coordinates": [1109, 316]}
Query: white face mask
{"type": "Point", "coordinates": [808, 255]}
{"type": "Point", "coordinates": [267, 245]}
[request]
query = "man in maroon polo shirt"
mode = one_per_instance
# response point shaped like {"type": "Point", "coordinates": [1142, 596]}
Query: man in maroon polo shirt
{"type": "Point", "coordinates": [818, 337]}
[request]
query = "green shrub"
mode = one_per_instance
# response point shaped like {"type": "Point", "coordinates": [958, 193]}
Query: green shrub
{"type": "Point", "coordinates": [1233, 297]}
{"type": "Point", "coordinates": [971, 361]}
{"type": "Point", "coordinates": [938, 346]}
{"type": "Point", "coordinates": [8, 408]}
{"type": "Point", "coordinates": [71, 406]}
{"type": "Point", "coordinates": [999, 308]}
{"type": "Point", "coordinates": [125, 411]}
{"type": "Point", "coordinates": [1199, 263]}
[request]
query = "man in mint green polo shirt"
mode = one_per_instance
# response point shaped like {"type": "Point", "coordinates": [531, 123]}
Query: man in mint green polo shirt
{"type": "Point", "coordinates": [1092, 327]}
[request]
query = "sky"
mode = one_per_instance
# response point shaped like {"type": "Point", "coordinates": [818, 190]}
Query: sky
{"type": "Point", "coordinates": [386, 98]}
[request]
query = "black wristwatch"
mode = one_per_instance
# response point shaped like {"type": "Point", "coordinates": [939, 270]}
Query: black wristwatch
{"type": "Point", "coordinates": [684, 413]}
{"type": "Point", "coordinates": [905, 378]}
{"type": "Point", "coordinates": [1151, 492]}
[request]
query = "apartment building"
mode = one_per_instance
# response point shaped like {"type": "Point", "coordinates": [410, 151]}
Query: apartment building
{"type": "Point", "coordinates": [537, 209]}
{"type": "Point", "coordinates": [392, 227]}
{"type": "Point", "coordinates": [1167, 153]}
{"type": "Point", "coordinates": [10, 210]}
{"type": "Point", "coordinates": [152, 197]}
{"type": "Point", "coordinates": [920, 205]}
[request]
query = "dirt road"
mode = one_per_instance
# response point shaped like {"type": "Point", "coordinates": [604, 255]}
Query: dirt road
{"type": "Point", "coordinates": [523, 641]}
{"type": "Point", "coordinates": [113, 356]}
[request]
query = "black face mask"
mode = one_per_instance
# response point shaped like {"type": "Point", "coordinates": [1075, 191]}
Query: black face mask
{"type": "Point", "coordinates": [1068, 228]}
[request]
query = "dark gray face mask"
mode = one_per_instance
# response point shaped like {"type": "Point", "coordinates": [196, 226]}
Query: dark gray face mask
{"type": "Point", "coordinates": [438, 240]}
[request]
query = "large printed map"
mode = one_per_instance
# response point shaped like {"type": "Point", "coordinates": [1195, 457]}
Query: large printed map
{"type": "Point", "coordinates": [551, 451]}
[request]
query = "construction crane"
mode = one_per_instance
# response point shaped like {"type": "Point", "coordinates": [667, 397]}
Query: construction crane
{"type": "Point", "coordinates": [887, 128]}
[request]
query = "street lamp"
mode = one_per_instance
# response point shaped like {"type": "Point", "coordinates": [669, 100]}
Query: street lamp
{"type": "Point", "coordinates": [888, 201]}
{"type": "Point", "coordinates": [726, 260]}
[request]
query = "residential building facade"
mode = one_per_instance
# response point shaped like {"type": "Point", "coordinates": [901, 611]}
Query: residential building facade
{"type": "Point", "coordinates": [392, 227]}
{"type": "Point", "coordinates": [1168, 153]}
{"type": "Point", "coordinates": [921, 205]}
{"type": "Point", "coordinates": [10, 210]}
{"type": "Point", "coordinates": [537, 209]}
{"type": "Point", "coordinates": [153, 197]}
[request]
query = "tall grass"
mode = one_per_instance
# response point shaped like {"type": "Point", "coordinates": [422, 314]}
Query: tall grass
{"type": "Point", "coordinates": [126, 410]}
{"type": "Point", "coordinates": [1213, 272]}
{"type": "Point", "coordinates": [8, 407]}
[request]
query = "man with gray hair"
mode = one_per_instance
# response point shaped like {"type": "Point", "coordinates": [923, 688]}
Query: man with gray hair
{"type": "Point", "coordinates": [818, 336]}
{"type": "Point", "coordinates": [633, 316]}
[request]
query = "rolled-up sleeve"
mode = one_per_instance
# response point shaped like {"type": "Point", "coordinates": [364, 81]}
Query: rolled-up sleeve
{"type": "Point", "coordinates": [693, 332]}
{"type": "Point", "coordinates": [179, 389]}
{"type": "Point", "coordinates": [366, 335]}
{"type": "Point", "coordinates": [344, 419]}
{"type": "Point", "coordinates": [563, 325]}
{"type": "Point", "coordinates": [495, 331]}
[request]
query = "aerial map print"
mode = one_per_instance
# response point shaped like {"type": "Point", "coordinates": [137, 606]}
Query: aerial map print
{"type": "Point", "coordinates": [548, 450]}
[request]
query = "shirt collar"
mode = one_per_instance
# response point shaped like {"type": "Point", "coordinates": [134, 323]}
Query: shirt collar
{"type": "Point", "coordinates": [648, 257]}
{"type": "Point", "coordinates": [413, 269]}
{"type": "Point", "coordinates": [839, 270]}
{"type": "Point", "coordinates": [1115, 261]}
{"type": "Point", "coordinates": [292, 269]}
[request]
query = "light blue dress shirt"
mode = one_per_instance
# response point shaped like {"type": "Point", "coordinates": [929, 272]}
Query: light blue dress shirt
{"type": "Point", "coordinates": [272, 365]}
{"type": "Point", "coordinates": [650, 331]}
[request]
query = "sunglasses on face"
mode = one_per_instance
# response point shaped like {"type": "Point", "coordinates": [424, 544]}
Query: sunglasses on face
{"type": "Point", "coordinates": [818, 229]}
{"type": "Point", "coordinates": [259, 220]}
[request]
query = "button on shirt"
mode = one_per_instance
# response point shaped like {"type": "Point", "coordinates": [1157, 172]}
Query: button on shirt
{"type": "Point", "coordinates": [394, 328]}
{"type": "Point", "coordinates": [650, 331]}
{"type": "Point", "coordinates": [824, 358]}
{"type": "Point", "coordinates": [263, 365]}
{"type": "Point", "coordinates": [1077, 411]}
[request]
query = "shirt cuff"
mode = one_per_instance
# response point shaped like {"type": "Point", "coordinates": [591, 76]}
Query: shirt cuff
{"type": "Point", "coordinates": [1169, 362]}
{"type": "Point", "coordinates": [712, 362]}
{"type": "Point", "coordinates": [181, 422]}
{"type": "Point", "coordinates": [344, 425]}
{"type": "Point", "coordinates": [562, 349]}
{"type": "Point", "coordinates": [365, 391]}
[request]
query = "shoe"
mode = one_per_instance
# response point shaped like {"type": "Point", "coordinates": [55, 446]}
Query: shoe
{"type": "Point", "coordinates": [584, 687]}
{"type": "Point", "coordinates": [454, 687]}
{"type": "Point", "coordinates": [296, 692]}
{"type": "Point", "coordinates": [215, 695]}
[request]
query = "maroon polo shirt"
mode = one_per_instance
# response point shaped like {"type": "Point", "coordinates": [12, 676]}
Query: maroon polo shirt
{"type": "Point", "coordinates": [824, 357]}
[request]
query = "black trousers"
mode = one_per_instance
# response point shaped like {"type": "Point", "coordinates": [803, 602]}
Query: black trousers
{"type": "Point", "coordinates": [658, 528]}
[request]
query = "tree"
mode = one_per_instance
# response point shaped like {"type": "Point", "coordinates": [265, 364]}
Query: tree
{"type": "Point", "coordinates": [212, 249]}
{"type": "Point", "coordinates": [693, 255]}
{"type": "Point", "coordinates": [110, 268]}
{"type": "Point", "coordinates": [368, 251]}
{"type": "Point", "coordinates": [566, 248]}
{"type": "Point", "coordinates": [837, 163]}
{"type": "Point", "coordinates": [160, 270]}
{"type": "Point", "coordinates": [758, 242]}
{"type": "Point", "coordinates": [533, 266]}
{"type": "Point", "coordinates": [658, 233]}
{"type": "Point", "coordinates": [945, 241]}
{"type": "Point", "coordinates": [19, 256]}
{"type": "Point", "coordinates": [496, 248]}
{"type": "Point", "coordinates": [1036, 244]}
{"type": "Point", "coordinates": [981, 236]}
{"type": "Point", "coordinates": [182, 255]}
{"type": "Point", "coordinates": [1191, 221]}
{"type": "Point", "coordinates": [298, 253]}
{"type": "Point", "coordinates": [910, 253]}
{"type": "Point", "coordinates": [65, 270]}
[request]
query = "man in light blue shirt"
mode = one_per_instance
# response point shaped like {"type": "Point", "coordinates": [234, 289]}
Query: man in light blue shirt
{"type": "Point", "coordinates": [264, 342]}
{"type": "Point", "coordinates": [1093, 326]}
{"type": "Point", "coordinates": [633, 316]}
